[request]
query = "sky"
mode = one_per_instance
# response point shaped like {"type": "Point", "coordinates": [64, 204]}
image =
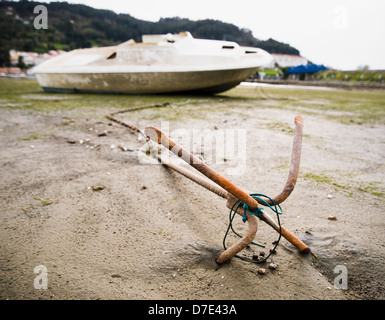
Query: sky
{"type": "Point", "coordinates": [342, 34]}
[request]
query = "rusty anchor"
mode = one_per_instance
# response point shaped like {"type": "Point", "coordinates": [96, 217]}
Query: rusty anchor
{"type": "Point", "coordinates": [224, 188]}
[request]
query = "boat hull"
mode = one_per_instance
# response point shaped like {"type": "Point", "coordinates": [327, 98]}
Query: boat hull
{"type": "Point", "coordinates": [171, 64]}
{"type": "Point", "coordinates": [213, 81]}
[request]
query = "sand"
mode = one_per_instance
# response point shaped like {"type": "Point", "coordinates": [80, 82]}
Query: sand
{"type": "Point", "coordinates": [146, 232]}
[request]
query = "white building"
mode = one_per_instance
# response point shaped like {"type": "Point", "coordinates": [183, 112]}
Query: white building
{"type": "Point", "coordinates": [32, 58]}
{"type": "Point", "coordinates": [288, 60]}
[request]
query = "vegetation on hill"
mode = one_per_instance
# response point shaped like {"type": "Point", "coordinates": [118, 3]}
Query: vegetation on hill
{"type": "Point", "coordinates": [73, 26]}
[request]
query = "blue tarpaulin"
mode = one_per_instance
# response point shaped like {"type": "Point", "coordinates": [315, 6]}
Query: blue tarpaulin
{"type": "Point", "coordinates": [311, 68]}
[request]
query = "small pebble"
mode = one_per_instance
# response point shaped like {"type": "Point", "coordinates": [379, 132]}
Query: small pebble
{"type": "Point", "coordinates": [257, 257]}
{"type": "Point", "coordinates": [332, 218]}
{"type": "Point", "coordinates": [125, 149]}
{"type": "Point", "coordinates": [261, 271]}
{"type": "Point", "coordinates": [273, 266]}
{"type": "Point", "coordinates": [97, 188]}
{"type": "Point", "coordinates": [329, 196]}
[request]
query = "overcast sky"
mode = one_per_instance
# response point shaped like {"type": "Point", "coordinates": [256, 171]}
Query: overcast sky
{"type": "Point", "coordinates": [342, 34]}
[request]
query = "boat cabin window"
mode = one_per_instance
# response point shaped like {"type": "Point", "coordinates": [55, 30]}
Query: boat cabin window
{"type": "Point", "coordinates": [112, 56]}
{"type": "Point", "coordinates": [227, 47]}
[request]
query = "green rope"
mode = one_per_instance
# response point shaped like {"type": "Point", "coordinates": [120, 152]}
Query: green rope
{"type": "Point", "coordinates": [275, 208]}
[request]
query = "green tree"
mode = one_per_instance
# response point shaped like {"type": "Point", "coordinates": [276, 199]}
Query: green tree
{"type": "Point", "coordinates": [20, 63]}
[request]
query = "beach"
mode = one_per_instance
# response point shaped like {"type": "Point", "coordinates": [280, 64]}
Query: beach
{"type": "Point", "coordinates": [81, 205]}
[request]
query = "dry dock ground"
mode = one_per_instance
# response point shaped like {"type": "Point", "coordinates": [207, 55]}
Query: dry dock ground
{"type": "Point", "coordinates": [79, 207]}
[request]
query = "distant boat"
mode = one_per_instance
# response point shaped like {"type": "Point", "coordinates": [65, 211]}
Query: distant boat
{"type": "Point", "coordinates": [168, 63]}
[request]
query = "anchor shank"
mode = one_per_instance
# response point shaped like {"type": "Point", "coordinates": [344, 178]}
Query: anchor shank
{"type": "Point", "coordinates": [158, 136]}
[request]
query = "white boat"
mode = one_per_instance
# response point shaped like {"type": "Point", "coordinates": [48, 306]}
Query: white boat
{"type": "Point", "coordinates": [168, 63]}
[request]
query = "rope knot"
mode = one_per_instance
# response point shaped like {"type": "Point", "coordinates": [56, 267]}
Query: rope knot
{"type": "Point", "coordinates": [246, 207]}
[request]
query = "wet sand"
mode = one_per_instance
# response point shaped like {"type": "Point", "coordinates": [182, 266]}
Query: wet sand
{"type": "Point", "coordinates": [150, 233]}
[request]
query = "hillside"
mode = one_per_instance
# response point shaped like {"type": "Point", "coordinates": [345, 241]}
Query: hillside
{"type": "Point", "coordinates": [73, 26]}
